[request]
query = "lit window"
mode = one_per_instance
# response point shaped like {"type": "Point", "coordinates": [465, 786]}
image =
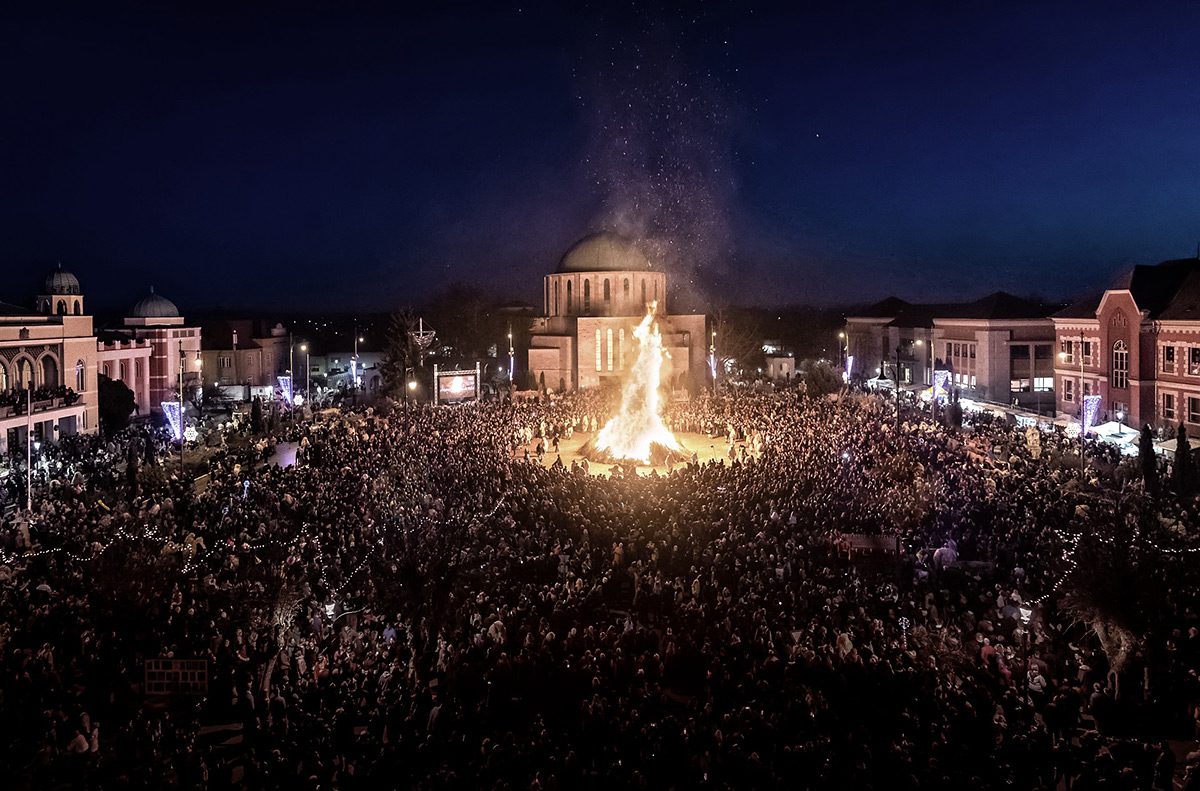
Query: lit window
{"type": "Point", "coordinates": [1120, 366]}
{"type": "Point", "coordinates": [1068, 390]}
{"type": "Point", "coordinates": [597, 348]}
{"type": "Point", "coordinates": [1193, 410]}
{"type": "Point", "coordinates": [610, 349]}
{"type": "Point", "coordinates": [621, 348]}
{"type": "Point", "coordinates": [1168, 359]}
{"type": "Point", "coordinates": [1168, 406]}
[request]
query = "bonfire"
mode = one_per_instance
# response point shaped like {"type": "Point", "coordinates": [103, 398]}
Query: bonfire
{"type": "Point", "coordinates": [637, 432]}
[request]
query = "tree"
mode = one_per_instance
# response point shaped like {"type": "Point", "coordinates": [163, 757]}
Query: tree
{"type": "Point", "coordinates": [1183, 476]}
{"type": "Point", "coordinates": [1149, 461]}
{"type": "Point", "coordinates": [469, 324]}
{"type": "Point", "coordinates": [821, 378]}
{"type": "Point", "coordinates": [401, 352]}
{"type": "Point", "coordinates": [738, 341]}
{"type": "Point", "coordinates": [256, 415]}
{"type": "Point", "coordinates": [116, 403]}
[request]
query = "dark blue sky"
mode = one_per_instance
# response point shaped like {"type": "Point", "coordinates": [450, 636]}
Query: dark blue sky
{"type": "Point", "coordinates": [357, 156]}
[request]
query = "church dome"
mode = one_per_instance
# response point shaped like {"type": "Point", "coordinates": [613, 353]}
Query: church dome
{"type": "Point", "coordinates": [604, 252]}
{"type": "Point", "coordinates": [154, 306]}
{"type": "Point", "coordinates": [60, 282]}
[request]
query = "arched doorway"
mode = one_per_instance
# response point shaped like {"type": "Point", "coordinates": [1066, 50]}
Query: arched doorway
{"type": "Point", "coordinates": [50, 371]}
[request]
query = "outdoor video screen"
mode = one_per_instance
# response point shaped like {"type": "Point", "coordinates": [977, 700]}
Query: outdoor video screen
{"type": "Point", "coordinates": [456, 387]}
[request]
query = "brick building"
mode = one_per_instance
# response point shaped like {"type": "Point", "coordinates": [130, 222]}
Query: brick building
{"type": "Point", "coordinates": [1137, 345]}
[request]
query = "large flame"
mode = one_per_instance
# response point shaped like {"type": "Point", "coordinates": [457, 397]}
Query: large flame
{"type": "Point", "coordinates": [638, 426]}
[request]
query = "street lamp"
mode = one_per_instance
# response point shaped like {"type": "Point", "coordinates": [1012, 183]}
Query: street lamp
{"type": "Point", "coordinates": [307, 370]}
{"type": "Point", "coordinates": [511, 356]}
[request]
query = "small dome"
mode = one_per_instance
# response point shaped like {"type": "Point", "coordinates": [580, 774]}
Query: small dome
{"type": "Point", "coordinates": [604, 252]}
{"type": "Point", "coordinates": [154, 306]}
{"type": "Point", "coordinates": [60, 282]}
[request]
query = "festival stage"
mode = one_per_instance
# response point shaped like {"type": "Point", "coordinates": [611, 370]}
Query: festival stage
{"type": "Point", "coordinates": [706, 448]}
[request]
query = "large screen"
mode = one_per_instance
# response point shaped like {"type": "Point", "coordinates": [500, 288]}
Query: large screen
{"type": "Point", "coordinates": [456, 387]}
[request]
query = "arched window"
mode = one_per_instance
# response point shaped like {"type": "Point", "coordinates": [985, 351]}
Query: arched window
{"type": "Point", "coordinates": [607, 292]}
{"type": "Point", "coordinates": [1120, 365]}
{"type": "Point", "coordinates": [621, 349]}
{"type": "Point", "coordinates": [626, 289]}
{"type": "Point", "coordinates": [80, 379]}
{"type": "Point", "coordinates": [555, 297]}
{"type": "Point", "coordinates": [104, 371]}
{"type": "Point", "coordinates": [597, 348]}
{"type": "Point", "coordinates": [137, 370]}
{"type": "Point", "coordinates": [656, 291]}
{"type": "Point", "coordinates": [62, 307]}
{"type": "Point", "coordinates": [49, 371]}
{"type": "Point", "coordinates": [121, 370]}
{"type": "Point", "coordinates": [3, 376]}
{"type": "Point", "coordinates": [24, 373]}
{"type": "Point", "coordinates": [610, 348]}
{"type": "Point", "coordinates": [570, 306]}
{"type": "Point", "coordinates": [643, 293]}
{"type": "Point", "coordinates": [587, 296]}
{"type": "Point", "coordinates": [78, 308]}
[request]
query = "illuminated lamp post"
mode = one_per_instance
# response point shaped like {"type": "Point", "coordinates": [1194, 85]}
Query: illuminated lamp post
{"type": "Point", "coordinates": [307, 370]}
{"type": "Point", "coordinates": [181, 420]}
{"type": "Point", "coordinates": [896, 375]}
{"type": "Point", "coordinates": [511, 355]}
{"type": "Point", "coordinates": [412, 391]}
{"type": "Point", "coordinates": [29, 444]}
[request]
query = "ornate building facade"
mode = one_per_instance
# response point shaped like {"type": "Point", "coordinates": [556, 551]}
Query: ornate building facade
{"type": "Point", "coordinates": [590, 305]}
{"type": "Point", "coordinates": [52, 349]}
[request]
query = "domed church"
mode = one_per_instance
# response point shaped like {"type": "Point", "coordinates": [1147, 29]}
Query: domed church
{"type": "Point", "coordinates": [590, 305]}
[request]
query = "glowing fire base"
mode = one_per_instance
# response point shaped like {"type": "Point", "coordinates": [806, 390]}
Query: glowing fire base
{"type": "Point", "coordinates": [659, 454]}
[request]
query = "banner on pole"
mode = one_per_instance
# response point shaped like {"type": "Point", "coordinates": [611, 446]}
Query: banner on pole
{"type": "Point", "coordinates": [173, 411]}
{"type": "Point", "coordinates": [941, 383]}
{"type": "Point", "coordinates": [1091, 408]}
{"type": "Point", "coordinates": [285, 387]}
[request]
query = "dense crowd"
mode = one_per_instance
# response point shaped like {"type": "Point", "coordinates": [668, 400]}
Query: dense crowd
{"type": "Point", "coordinates": [421, 602]}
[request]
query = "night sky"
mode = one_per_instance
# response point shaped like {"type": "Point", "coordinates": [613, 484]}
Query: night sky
{"type": "Point", "coordinates": [350, 156]}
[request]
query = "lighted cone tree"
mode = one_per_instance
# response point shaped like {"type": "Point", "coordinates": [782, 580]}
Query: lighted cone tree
{"type": "Point", "coordinates": [637, 431]}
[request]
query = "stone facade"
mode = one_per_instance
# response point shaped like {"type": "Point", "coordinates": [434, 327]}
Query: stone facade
{"type": "Point", "coordinates": [591, 304]}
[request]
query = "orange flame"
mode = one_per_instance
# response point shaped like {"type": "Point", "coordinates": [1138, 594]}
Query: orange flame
{"type": "Point", "coordinates": [638, 424]}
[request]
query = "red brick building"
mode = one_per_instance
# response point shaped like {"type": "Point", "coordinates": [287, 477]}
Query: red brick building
{"type": "Point", "coordinates": [1136, 344]}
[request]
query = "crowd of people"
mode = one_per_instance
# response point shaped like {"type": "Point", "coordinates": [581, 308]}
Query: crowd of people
{"type": "Point", "coordinates": [420, 602]}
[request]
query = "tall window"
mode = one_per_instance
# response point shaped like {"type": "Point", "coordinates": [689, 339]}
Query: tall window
{"type": "Point", "coordinates": [1120, 366]}
{"type": "Point", "coordinates": [621, 348]}
{"type": "Point", "coordinates": [80, 379]}
{"type": "Point", "coordinates": [607, 292]}
{"type": "Point", "coordinates": [597, 348]}
{"type": "Point", "coordinates": [643, 292]}
{"type": "Point", "coordinates": [610, 348]}
{"type": "Point", "coordinates": [587, 296]}
{"type": "Point", "coordinates": [626, 289]}
{"type": "Point", "coordinates": [3, 376]}
{"type": "Point", "coordinates": [1168, 406]}
{"type": "Point", "coordinates": [569, 301]}
{"type": "Point", "coordinates": [1168, 359]}
{"type": "Point", "coordinates": [62, 307]}
{"type": "Point", "coordinates": [1194, 361]}
{"type": "Point", "coordinates": [556, 298]}
{"type": "Point", "coordinates": [1068, 390]}
{"type": "Point", "coordinates": [1193, 410]}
